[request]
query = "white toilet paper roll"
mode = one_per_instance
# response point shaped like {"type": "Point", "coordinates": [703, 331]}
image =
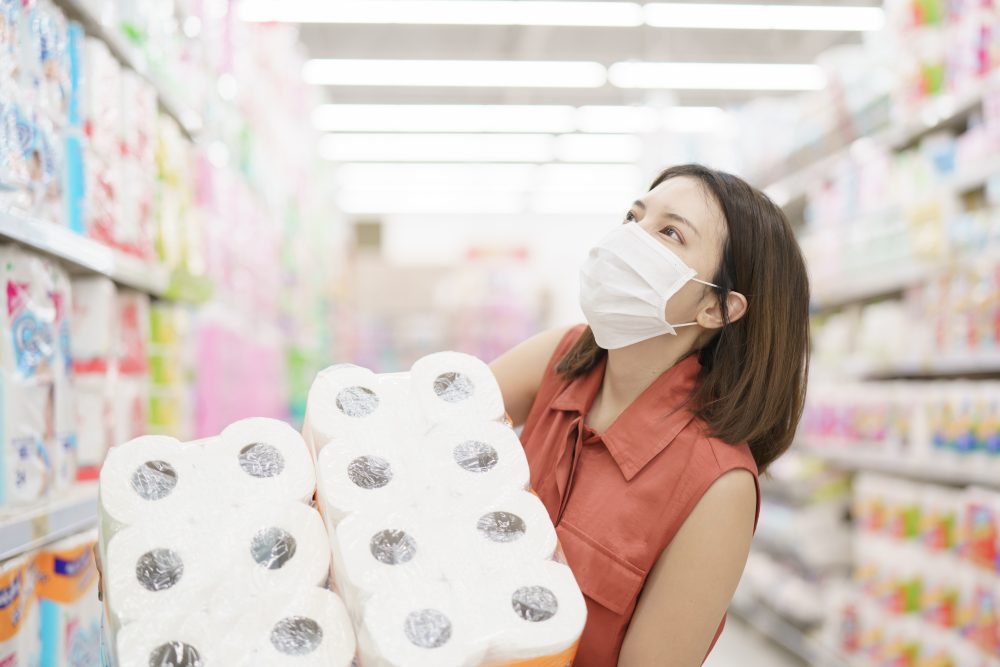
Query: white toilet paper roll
{"type": "Point", "coordinates": [155, 570]}
{"type": "Point", "coordinates": [362, 474]}
{"type": "Point", "coordinates": [182, 640]}
{"type": "Point", "coordinates": [535, 611]}
{"type": "Point", "coordinates": [343, 400]}
{"type": "Point", "coordinates": [309, 627]}
{"type": "Point", "coordinates": [423, 626]}
{"type": "Point", "coordinates": [471, 459]}
{"type": "Point", "coordinates": [277, 547]}
{"type": "Point", "coordinates": [376, 551]}
{"type": "Point", "coordinates": [451, 385]}
{"type": "Point", "coordinates": [260, 461]}
{"type": "Point", "coordinates": [149, 476]}
{"type": "Point", "coordinates": [504, 533]}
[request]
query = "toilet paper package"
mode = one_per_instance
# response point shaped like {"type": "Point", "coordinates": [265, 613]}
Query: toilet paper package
{"type": "Point", "coordinates": [441, 553]}
{"type": "Point", "coordinates": [30, 651]}
{"type": "Point", "coordinates": [70, 614]}
{"type": "Point", "coordinates": [28, 373]}
{"type": "Point", "coordinates": [221, 529]}
{"type": "Point", "coordinates": [65, 445]}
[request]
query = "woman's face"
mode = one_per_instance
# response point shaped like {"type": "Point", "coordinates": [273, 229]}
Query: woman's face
{"type": "Point", "coordinates": [682, 215]}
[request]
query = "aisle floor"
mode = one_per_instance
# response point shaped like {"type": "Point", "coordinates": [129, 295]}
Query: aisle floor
{"type": "Point", "coordinates": [741, 646]}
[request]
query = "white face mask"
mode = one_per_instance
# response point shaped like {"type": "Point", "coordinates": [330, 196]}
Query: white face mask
{"type": "Point", "coordinates": [625, 284]}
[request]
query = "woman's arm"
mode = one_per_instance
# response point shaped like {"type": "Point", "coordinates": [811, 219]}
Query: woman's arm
{"type": "Point", "coordinates": [690, 587]}
{"type": "Point", "coordinates": [519, 371]}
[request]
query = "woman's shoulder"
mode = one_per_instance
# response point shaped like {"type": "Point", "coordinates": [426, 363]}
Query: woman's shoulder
{"type": "Point", "coordinates": [716, 456]}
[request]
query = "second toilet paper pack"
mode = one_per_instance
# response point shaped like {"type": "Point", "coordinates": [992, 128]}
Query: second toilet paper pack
{"type": "Point", "coordinates": [439, 549]}
{"type": "Point", "coordinates": [213, 554]}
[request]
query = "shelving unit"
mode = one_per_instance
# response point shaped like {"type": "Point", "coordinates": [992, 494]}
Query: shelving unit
{"type": "Point", "coordinates": [766, 621]}
{"type": "Point", "coordinates": [188, 119]}
{"type": "Point", "coordinates": [867, 285]}
{"type": "Point", "coordinates": [939, 473]}
{"type": "Point", "coordinates": [23, 529]}
{"type": "Point", "coordinates": [83, 254]}
{"type": "Point", "coordinates": [944, 111]}
{"type": "Point", "coordinates": [985, 364]}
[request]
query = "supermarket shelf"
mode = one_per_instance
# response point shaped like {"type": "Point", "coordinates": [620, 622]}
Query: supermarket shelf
{"type": "Point", "coordinates": [926, 472]}
{"type": "Point", "coordinates": [871, 284]}
{"type": "Point", "coordinates": [83, 253]}
{"type": "Point", "coordinates": [941, 367]}
{"type": "Point", "coordinates": [974, 177]}
{"type": "Point", "coordinates": [769, 623]}
{"type": "Point", "coordinates": [944, 111]}
{"type": "Point", "coordinates": [188, 119]}
{"type": "Point", "coordinates": [27, 528]}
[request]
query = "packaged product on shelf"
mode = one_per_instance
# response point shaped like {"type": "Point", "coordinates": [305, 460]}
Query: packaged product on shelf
{"type": "Point", "coordinates": [14, 595]}
{"type": "Point", "coordinates": [69, 608]}
{"type": "Point", "coordinates": [131, 389]}
{"type": "Point", "coordinates": [64, 452]}
{"type": "Point", "coordinates": [28, 375]}
{"type": "Point", "coordinates": [31, 634]}
{"type": "Point", "coordinates": [94, 348]}
{"type": "Point", "coordinates": [101, 108]}
{"type": "Point", "coordinates": [137, 123]}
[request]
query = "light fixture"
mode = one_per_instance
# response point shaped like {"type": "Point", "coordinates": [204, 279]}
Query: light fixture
{"type": "Point", "coordinates": [598, 148]}
{"type": "Point", "coordinates": [551, 119]}
{"type": "Point", "coordinates": [696, 119]}
{"type": "Point", "coordinates": [590, 176]}
{"type": "Point", "coordinates": [615, 119]}
{"type": "Point", "coordinates": [430, 202]}
{"type": "Point", "coordinates": [716, 76]}
{"type": "Point", "coordinates": [576, 203]}
{"type": "Point", "coordinates": [435, 176]}
{"type": "Point", "coordinates": [464, 73]}
{"type": "Point", "coordinates": [445, 12]}
{"type": "Point", "coordinates": [764, 17]}
{"type": "Point", "coordinates": [437, 147]}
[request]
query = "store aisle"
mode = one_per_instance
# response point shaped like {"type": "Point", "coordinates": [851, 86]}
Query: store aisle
{"type": "Point", "coordinates": [740, 646]}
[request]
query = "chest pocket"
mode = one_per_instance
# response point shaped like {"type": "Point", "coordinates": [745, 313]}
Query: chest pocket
{"type": "Point", "coordinates": [603, 576]}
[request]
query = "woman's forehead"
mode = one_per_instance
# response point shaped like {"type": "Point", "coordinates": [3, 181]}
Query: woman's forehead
{"type": "Point", "coordinates": [687, 197]}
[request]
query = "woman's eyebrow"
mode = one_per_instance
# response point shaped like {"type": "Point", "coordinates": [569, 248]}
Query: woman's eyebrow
{"type": "Point", "coordinates": [639, 204]}
{"type": "Point", "coordinates": [681, 219]}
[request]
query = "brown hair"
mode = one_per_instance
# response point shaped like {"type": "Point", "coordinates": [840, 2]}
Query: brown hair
{"type": "Point", "coordinates": [753, 379]}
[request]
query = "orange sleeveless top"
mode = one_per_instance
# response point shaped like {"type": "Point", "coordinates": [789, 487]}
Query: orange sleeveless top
{"type": "Point", "coordinates": [618, 498]}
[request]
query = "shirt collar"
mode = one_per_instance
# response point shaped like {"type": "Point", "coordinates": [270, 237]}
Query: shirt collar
{"type": "Point", "coordinates": [646, 426]}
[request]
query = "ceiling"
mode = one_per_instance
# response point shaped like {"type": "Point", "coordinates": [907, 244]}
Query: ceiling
{"type": "Point", "coordinates": [532, 43]}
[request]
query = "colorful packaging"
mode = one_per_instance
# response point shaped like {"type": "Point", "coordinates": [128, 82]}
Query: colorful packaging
{"type": "Point", "coordinates": [13, 598]}
{"type": "Point", "coordinates": [28, 375]}
{"type": "Point", "coordinates": [70, 610]}
{"type": "Point", "coordinates": [65, 448]}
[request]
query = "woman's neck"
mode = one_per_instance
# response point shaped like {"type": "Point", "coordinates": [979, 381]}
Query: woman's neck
{"type": "Point", "coordinates": [631, 370]}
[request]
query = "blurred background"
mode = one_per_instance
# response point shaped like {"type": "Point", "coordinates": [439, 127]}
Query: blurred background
{"type": "Point", "coordinates": [203, 202]}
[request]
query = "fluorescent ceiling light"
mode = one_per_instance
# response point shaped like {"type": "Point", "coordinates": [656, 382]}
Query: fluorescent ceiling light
{"type": "Point", "coordinates": [763, 17]}
{"type": "Point", "coordinates": [590, 176]}
{"type": "Point", "coordinates": [616, 119]}
{"type": "Point", "coordinates": [437, 147]}
{"type": "Point", "coordinates": [716, 76]}
{"type": "Point", "coordinates": [435, 176]}
{"type": "Point", "coordinates": [598, 148]}
{"type": "Point", "coordinates": [444, 12]}
{"type": "Point", "coordinates": [550, 119]}
{"type": "Point", "coordinates": [430, 202]}
{"type": "Point", "coordinates": [604, 203]}
{"type": "Point", "coordinates": [696, 119]}
{"type": "Point", "coordinates": [465, 73]}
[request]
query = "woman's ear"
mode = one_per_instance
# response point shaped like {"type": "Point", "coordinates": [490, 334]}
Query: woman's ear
{"type": "Point", "coordinates": [710, 317]}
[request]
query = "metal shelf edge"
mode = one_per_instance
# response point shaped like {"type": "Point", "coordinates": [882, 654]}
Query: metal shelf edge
{"type": "Point", "coordinates": [903, 468]}
{"type": "Point", "coordinates": [84, 253]}
{"type": "Point", "coordinates": [34, 526]}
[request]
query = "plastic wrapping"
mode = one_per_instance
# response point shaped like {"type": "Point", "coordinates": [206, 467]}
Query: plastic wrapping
{"type": "Point", "coordinates": [441, 553]}
{"type": "Point", "coordinates": [213, 553]}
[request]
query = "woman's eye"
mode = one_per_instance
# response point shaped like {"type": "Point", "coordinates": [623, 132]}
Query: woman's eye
{"type": "Point", "coordinates": [671, 232]}
{"type": "Point", "coordinates": [630, 217]}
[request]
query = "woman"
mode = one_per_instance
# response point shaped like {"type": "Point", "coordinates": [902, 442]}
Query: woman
{"type": "Point", "coordinates": [647, 429]}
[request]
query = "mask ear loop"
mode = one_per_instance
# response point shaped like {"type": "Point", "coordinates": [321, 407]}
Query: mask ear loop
{"type": "Point", "coordinates": [691, 324]}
